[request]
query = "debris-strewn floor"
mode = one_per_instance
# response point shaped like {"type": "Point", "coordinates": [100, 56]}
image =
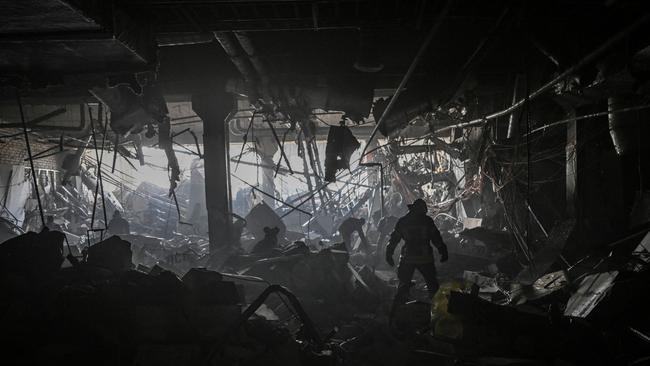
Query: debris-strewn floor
{"type": "Point", "coordinates": [100, 310]}
{"type": "Point", "coordinates": [324, 182]}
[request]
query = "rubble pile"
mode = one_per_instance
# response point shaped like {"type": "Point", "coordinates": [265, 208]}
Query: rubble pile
{"type": "Point", "coordinates": [325, 182]}
{"type": "Point", "coordinates": [102, 310]}
{"type": "Point", "coordinates": [106, 306]}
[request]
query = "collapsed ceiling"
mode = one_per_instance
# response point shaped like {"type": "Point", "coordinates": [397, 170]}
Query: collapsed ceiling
{"type": "Point", "coordinates": [520, 124]}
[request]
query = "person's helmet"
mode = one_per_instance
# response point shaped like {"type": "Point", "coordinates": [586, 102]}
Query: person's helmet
{"type": "Point", "coordinates": [418, 206]}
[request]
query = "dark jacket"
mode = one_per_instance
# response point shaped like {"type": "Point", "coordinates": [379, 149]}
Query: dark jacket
{"type": "Point", "coordinates": [417, 230]}
{"type": "Point", "coordinates": [269, 243]}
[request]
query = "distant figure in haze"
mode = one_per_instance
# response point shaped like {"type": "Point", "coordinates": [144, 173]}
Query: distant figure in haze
{"type": "Point", "coordinates": [385, 226]}
{"type": "Point", "coordinates": [237, 229]}
{"type": "Point", "coordinates": [269, 243]}
{"type": "Point", "coordinates": [418, 231]}
{"type": "Point", "coordinates": [348, 227]}
{"type": "Point", "coordinates": [51, 225]}
{"type": "Point", "coordinates": [118, 224]}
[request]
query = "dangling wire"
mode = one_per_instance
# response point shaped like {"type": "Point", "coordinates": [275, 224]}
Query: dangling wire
{"type": "Point", "coordinates": [245, 139]}
{"type": "Point", "coordinates": [528, 157]}
{"type": "Point", "coordinates": [31, 160]}
{"type": "Point", "coordinates": [257, 156]}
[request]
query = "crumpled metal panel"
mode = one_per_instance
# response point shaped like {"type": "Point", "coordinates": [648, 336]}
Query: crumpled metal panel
{"type": "Point", "coordinates": [544, 258]}
{"type": "Point", "coordinates": [591, 292]}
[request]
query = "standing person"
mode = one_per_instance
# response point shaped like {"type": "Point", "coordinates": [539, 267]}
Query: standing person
{"type": "Point", "coordinates": [32, 221]}
{"type": "Point", "coordinates": [50, 224]}
{"type": "Point", "coordinates": [118, 224]}
{"type": "Point", "coordinates": [237, 229]}
{"type": "Point", "coordinates": [348, 227]}
{"type": "Point", "coordinates": [417, 230]}
{"type": "Point", "coordinates": [268, 245]}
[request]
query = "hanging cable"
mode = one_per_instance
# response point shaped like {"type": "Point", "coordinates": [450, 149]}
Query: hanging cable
{"type": "Point", "coordinates": [618, 37]}
{"type": "Point", "coordinates": [31, 160]}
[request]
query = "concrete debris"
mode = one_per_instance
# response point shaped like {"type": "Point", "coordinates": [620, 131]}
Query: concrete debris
{"type": "Point", "coordinates": [113, 254]}
{"type": "Point", "coordinates": [249, 182]}
{"type": "Point", "coordinates": [31, 256]}
{"type": "Point", "coordinates": [143, 291]}
{"type": "Point", "coordinates": [548, 255]}
{"type": "Point", "coordinates": [485, 283]}
{"type": "Point", "coordinates": [498, 327]}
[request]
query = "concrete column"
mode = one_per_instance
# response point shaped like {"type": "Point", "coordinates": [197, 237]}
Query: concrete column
{"type": "Point", "coordinates": [593, 181]}
{"type": "Point", "coordinates": [266, 149]}
{"type": "Point", "coordinates": [213, 107]}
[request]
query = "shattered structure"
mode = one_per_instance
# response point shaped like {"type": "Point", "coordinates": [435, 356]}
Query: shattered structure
{"type": "Point", "coordinates": [224, 182]}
